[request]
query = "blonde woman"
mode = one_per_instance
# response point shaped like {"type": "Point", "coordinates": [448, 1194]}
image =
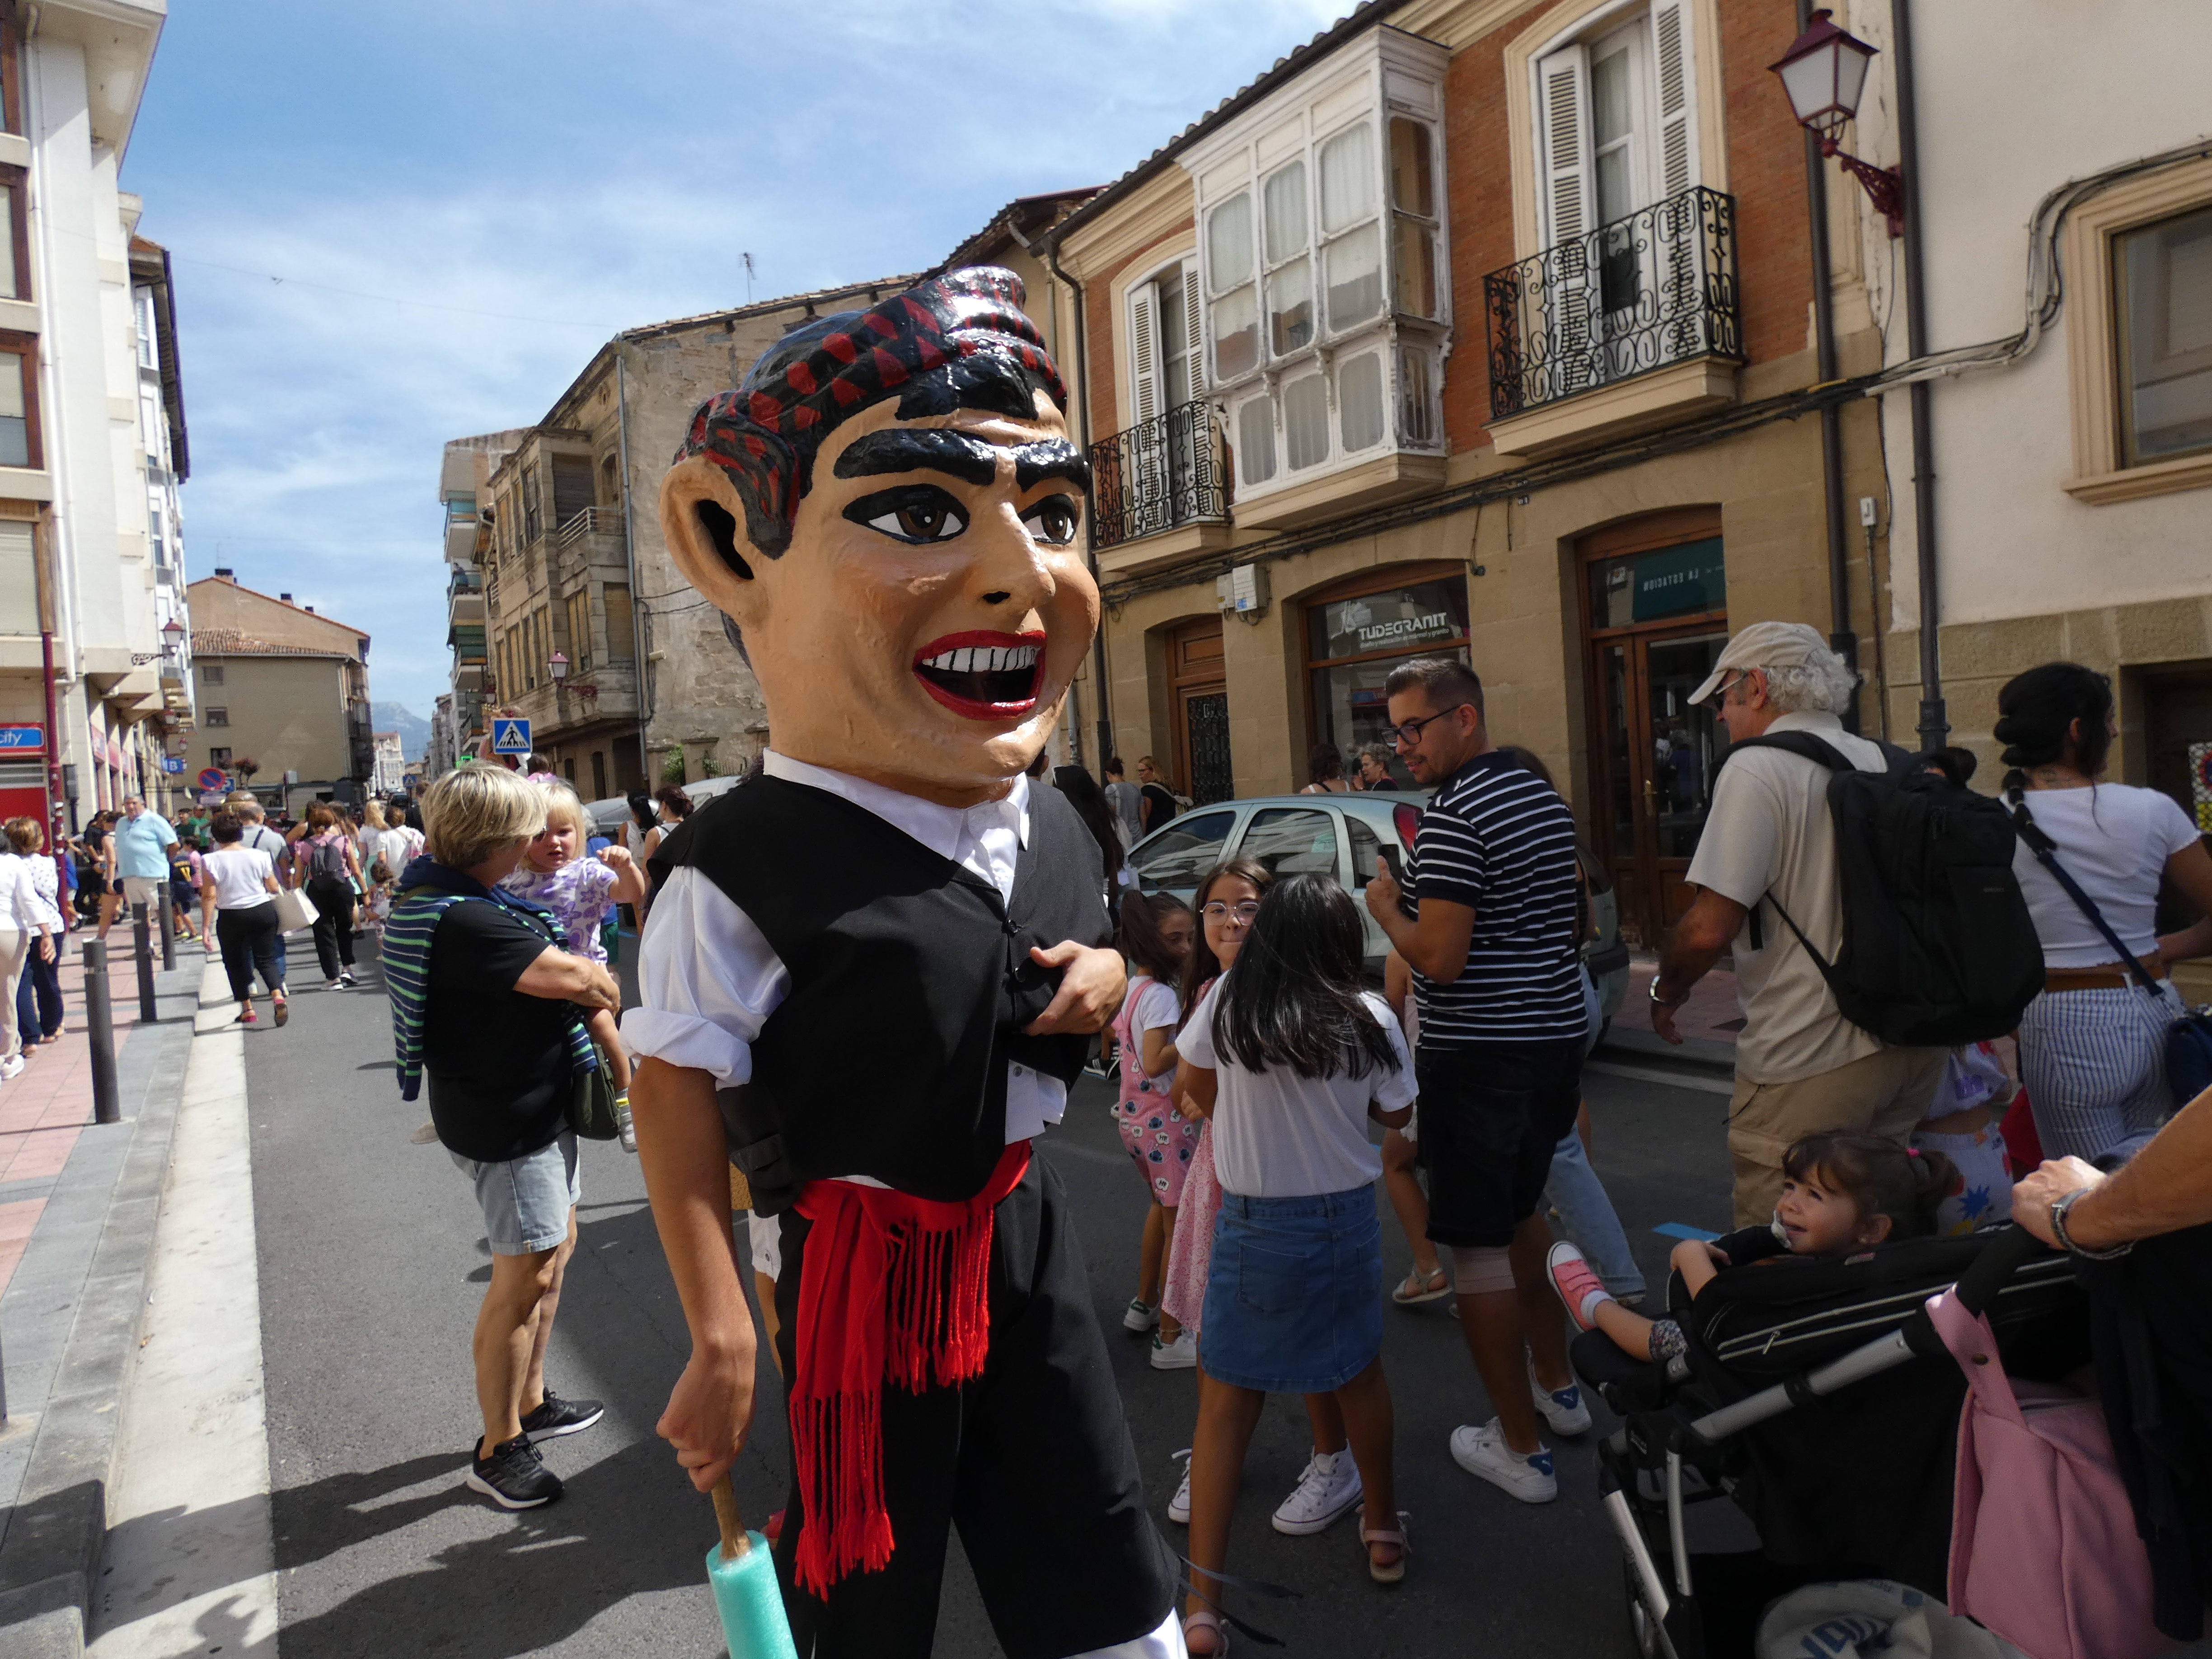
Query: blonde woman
{"type": "Point", "coordinates": [484, 1003]}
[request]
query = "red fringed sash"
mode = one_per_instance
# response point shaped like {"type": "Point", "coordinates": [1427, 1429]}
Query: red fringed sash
{"type": "Point", "coordinates": [893, 1287]}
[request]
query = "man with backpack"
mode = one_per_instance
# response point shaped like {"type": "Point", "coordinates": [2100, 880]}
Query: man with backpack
{"type": "Point", "coordinates": [1769, 885]}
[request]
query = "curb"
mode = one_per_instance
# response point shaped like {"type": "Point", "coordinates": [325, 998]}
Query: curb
{"type": "Point", "coordinates": [51, 1550]}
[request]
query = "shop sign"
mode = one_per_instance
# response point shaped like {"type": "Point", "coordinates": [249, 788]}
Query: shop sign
{"type": "Point", "coordinates": [22, 740]}
{"type": "Point", "coordinates": [1404, 619]}
{"type": "Point", "coordinates": [1680, 581]}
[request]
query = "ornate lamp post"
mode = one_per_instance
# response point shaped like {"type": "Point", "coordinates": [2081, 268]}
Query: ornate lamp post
{"type": "Point", "coordinates": [1824, 72]}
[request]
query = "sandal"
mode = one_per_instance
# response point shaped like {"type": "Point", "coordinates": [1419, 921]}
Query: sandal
{"type": "Point", "coordinates": [1419, 1288]}
{"type": "Point", "coordinates": [1192, 1622]}
{"type": "Point", "coordinates": [283, 1010]}
{"type": "Point", "coordinates": [1386, 1572]}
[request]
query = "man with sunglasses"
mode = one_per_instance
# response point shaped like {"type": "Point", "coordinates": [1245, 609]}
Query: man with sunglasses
{"type": "Point", "coordinates": [1492, 939]}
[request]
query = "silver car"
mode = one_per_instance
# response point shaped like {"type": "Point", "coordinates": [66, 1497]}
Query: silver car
{"type": "Point", "coordinates": [1340, 835]}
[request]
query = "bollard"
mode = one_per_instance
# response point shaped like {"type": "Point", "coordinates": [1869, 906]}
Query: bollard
{"type": "Point", "coordinates": [142, 948]}
{"type": "Point", "coordinates": [168, 932]}
{"type": "Point", "coordinates": [99, 1031]}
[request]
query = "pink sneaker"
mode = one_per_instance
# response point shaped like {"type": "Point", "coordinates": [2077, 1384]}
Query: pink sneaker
{"type": "Point", "coordinates": [1578, 1285]}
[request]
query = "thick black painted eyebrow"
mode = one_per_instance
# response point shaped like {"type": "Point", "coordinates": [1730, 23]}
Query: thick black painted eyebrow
{"type": "Point", "coordinates": [1053, 457]}
{"type": "Point", "coordinates": [928, 449]}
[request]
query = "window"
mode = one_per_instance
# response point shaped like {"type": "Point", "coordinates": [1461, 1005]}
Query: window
{"type": "Point", "coordinates": [219, 758]}
{"type": "Point", "coordinates": [19, 578]}
{"type": "Point", "coordinates": [1414, 222]}
{"type": "Point", "coordinates": [15, 252]}
{"type": "Point", "coordinates": [1616, 128]}
{"type": "Point", "coordinates": [1290, 273]}
{"type": "Point", "coordinates": [580, 630]}
{"type": "Point", "coordinates": [210, 673]}
{"type": "Point", "coordinates": [621, 635]}
{"type": "Point", "coordinates": [2162, 285]}
{"type": "Point", "coordinates": [1366, 846]}
{"type": "Point", "coordinates": [1360, 402]}
{"type": "Point", "coordinates": [18, 429]}
{"type": "Point", "coordinates": [1228, 279]}
{"type": "Point", "coordinates": [1173, 860]}
{"type": "Point", "coordinates": [1287, 840]}
{"type": "Point", "coordinates": [218, 716]}
{"type": "Point", "coordinates": [599, 774]}
{"type": "Point", "coordinates": [149, 352]}
{"type": "Point", "coordinates": [530, 504]}
{"type": "Point", "coordinates": [1305, 422]}
{"type": "Point", "coordinates": [1354, 638]}
{"type": "Point", "coordinates": [1255, 440]}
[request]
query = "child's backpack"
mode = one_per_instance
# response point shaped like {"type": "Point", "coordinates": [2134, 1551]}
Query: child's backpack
{"type": "Point", "coordinates": [1938, 947]}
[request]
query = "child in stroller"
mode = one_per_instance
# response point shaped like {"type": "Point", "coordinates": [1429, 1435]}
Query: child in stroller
{"type": "Point", "coordinates": [1841, 1195]}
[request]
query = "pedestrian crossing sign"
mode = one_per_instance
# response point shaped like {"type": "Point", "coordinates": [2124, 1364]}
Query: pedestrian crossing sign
{"type": "Point", "coordinates": [510, 737]}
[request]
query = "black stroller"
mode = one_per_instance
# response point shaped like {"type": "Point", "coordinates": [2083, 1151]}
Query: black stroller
{"type": "Point", "coordinates": [1820, 1401]}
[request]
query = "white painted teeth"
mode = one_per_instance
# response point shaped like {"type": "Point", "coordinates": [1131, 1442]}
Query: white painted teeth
{"type": "Point", "coordinates": [984, 659]}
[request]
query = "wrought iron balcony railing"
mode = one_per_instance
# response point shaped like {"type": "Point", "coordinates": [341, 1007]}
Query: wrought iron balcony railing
{"type": "Point", "coordinates": [1655, 288]}
{"type": "Point", "coordinates": [1158, 474]}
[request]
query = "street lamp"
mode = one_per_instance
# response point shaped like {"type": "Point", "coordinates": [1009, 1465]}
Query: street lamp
{"type": "Point", "coordinates": [173, 636]}
{"type": "Point", "coordinates": [558, 667]}
{"type": "Point", "coordinates": [1824, 72]}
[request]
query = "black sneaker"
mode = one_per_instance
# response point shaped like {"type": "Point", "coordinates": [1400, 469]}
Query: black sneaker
{"type": "Point", "coordinates": [557, 1416]}
{"type": "Point", "coordinates": [513, 1478]}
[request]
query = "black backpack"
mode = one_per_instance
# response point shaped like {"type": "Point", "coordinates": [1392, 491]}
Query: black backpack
{"type": "Point", "coordinates": [1938, 946]}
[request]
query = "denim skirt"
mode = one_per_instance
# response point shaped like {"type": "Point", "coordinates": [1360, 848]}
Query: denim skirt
{"type": "Point", "coordinates": [1294, 1295]}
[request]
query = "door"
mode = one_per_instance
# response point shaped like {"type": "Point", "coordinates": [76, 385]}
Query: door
{"type": "Point", "coordinates": [1661, 753]}
{"type": "Point", "coordinates": [1198, 695]}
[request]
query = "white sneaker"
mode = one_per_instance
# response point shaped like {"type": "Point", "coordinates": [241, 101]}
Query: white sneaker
{"type": "Point", "coordinates": [11, 1068]}
{"type": "Point", "coordinates": [628, 1129]}
{"type": "Point", "coordinates": [1179, 1505]}
{"type": "Point", "coordinates": [1180, 1355]}
{"type": "Point", "coordinates": [1330, 1486]}
{"type": "Point", "coordinates": [1140, 1315]}
{"type": "Point", "coordinates": [1563, 1408]}
{"type": "Point", "coordinates": [1483, 1451]}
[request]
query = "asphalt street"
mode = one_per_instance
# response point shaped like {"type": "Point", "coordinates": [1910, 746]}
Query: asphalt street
{"type": "Point", "coordinates": [372, 1264]}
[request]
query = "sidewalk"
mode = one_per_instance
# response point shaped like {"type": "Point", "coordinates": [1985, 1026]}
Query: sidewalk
{"type": "Point", "coordinates": [77, 1205]}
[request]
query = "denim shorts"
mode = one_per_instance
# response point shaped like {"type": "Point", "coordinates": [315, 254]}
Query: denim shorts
{"type": "Point", "coordinates": [1294, 1295]}
{"type": "Point", "coordinates": [526, 1201]}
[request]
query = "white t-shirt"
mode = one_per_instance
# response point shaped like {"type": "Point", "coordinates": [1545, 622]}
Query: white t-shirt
{"type": "Point", "coordinates": [1277, 1135]}
{"type": "Point", "coordinates": [2114, 840]}
{"type": "Point", "coordinates": [238, 872]}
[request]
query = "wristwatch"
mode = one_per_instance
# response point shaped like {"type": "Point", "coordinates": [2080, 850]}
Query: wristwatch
{"type": "Point", "coordinates": [2058, 1228]}
{"type": "Point", "coordinates": [1658, 1001]}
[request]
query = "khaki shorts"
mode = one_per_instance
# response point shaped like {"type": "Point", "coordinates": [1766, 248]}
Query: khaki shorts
{"type": "Point", "coordinates": [1884, 1093]}
{"type": "Point", "coordinates": [149, 890]}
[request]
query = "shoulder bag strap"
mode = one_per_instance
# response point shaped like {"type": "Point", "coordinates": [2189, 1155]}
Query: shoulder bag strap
{"type": "Point", "coordinates": [2046, 853]}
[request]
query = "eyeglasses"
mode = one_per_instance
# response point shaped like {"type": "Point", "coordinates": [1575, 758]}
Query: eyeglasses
{"type": "Point", "coordinates": [1406, 736]}
{"type": "Point", "coordinates": [1217, 911]}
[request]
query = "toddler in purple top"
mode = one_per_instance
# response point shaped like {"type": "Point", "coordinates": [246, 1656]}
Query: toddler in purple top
{"type": "Point", "coordinates": [578, 890]}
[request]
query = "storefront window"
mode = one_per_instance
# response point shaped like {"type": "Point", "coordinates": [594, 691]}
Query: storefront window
{"type": "Point", "coordinates": [1641, 588]}
{"type": "Point", "coordinates": [1353, 643]}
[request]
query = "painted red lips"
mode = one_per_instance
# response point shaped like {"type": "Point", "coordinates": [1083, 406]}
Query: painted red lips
{"type": "Point", "coordinates": [982, 675]}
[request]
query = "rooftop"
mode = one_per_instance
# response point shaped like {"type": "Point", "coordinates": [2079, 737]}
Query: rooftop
{"type": "Point", "coordinates": [235, 643]}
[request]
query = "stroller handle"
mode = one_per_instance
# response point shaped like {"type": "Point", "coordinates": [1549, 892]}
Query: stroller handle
{"type": "Point", "coordinates": [2005, 1254]}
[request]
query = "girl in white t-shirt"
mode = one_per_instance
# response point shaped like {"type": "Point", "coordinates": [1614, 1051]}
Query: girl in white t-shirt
{"type": "Point", "coordinates": [1289, 1056]}
{"type": "Point", "coordinates": [1157, 934]}
{"type": "Point", "coordinates": [2092, 1046]}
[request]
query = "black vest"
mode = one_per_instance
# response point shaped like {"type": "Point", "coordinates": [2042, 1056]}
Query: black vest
{"type": "Point", "coordinates": [910, 984]}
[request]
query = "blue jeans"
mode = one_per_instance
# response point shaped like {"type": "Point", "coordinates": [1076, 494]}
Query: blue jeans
{"type": "Point", "coordinates": [1586, 1212]}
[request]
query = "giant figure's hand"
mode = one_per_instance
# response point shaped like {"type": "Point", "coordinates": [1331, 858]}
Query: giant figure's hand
{"type": "Point", "coordinates": [710, 1411]}
{"type": "Point", "coordinates": [1090, 989]}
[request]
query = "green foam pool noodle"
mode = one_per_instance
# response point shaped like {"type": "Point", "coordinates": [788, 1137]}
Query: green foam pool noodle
{"type": "Point", "coordinates": [742, 1575]}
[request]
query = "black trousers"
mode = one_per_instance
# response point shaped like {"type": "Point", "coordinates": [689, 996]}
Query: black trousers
{"type": "Point", "coordinates": [1491, 1114]}
{"type": "Point", "coordinates": [332, 898]}
{"type": "Point", "coordinates": [249, 939]}
{"type": "Point", "coordinates": [1032, 1461]}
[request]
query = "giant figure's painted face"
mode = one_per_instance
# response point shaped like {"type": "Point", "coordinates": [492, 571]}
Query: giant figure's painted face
{"type": "Point", "coordinates": [908, 577]}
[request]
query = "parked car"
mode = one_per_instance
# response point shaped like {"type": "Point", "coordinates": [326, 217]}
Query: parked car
{"type": "Point", "coordinates": [1342, 836]}
{"type": "Point", "coordinates": [606, 816]}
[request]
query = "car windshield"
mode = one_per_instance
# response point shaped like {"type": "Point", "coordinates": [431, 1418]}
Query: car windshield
{"type": "Point", "coordinates": [1173, 860]}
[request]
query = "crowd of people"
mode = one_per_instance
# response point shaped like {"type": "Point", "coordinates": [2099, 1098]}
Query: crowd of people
{"type": "Point", "coordinates": [1264, 1089]}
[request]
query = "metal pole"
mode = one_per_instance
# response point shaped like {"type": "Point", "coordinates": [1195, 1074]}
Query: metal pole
{"type": "Point", "coordinates": [1934, 722]}
{"type": "Point", "coordinates": [169, 931]}
{"type": "Point", "coordinates": [1841, 637]}
{"type": "Point", "coordinates": [99, 1032]}
{"type": "Point", "coordinates": [142, 949]}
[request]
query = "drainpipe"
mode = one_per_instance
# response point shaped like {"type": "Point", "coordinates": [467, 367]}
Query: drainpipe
{"type": "Point", "coordinates": [629, 562]}
{"type": "Point", "coordinates": [1841, 639]}
{"type": "Point", "coordinates": [1090, 535]}
{"type": "Point", "coordinates": [1935, 723]}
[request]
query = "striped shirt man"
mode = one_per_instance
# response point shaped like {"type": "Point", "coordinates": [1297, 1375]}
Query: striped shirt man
{"type": "Point", "coordinates": [1500, 841]}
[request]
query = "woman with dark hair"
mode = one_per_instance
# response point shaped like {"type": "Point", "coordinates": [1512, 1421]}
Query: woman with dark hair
{"type": "Point", "coordinates": [326, 863]}
{"type": "Point", "coordinates": [1089, 800]}
{"type": "Point", "coordinates": [674, 806]}
{"type": "Point", "coordinates": [1326, 767]}
{"type": "Point", "coordinates": [2091, 858]}
{"type": "Point", "coordinates": [1288, 1056]}
{"type": "Point", "coordinates": [1156, 938]}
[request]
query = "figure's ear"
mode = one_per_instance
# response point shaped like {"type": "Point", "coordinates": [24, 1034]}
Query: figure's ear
{"type": "Point", "coordinates": [703, 522]}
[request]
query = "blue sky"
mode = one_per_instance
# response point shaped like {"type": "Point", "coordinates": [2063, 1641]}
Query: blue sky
{"type": "Point", "coordinates": [464, 200]}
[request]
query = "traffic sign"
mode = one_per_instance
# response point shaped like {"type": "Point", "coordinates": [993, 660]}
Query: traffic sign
{"type": "Point", "coordinates": [410, 782]}
{"type": "Point", "coordinates": [173, 763]}
{"type": "Point", "coordinates": [22, 740]}
{"type": "Point", "coordinates": [510, 737]}
{"type": "Point", "coordinates": [214, 779]}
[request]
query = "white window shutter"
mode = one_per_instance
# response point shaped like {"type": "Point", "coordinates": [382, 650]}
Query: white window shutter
{"type": "Point", "coordinates": [1674, 62]}
{"type": "Point", "coordinates": [1193, 323]}
{"type": "Point", "coordinates": [1564, 143]}
{"type": "Point", "coordinates": [1144, 352]}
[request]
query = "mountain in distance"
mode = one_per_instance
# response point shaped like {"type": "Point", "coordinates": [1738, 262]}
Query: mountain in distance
{"type": "Point", "coordinates": [414, 730]}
